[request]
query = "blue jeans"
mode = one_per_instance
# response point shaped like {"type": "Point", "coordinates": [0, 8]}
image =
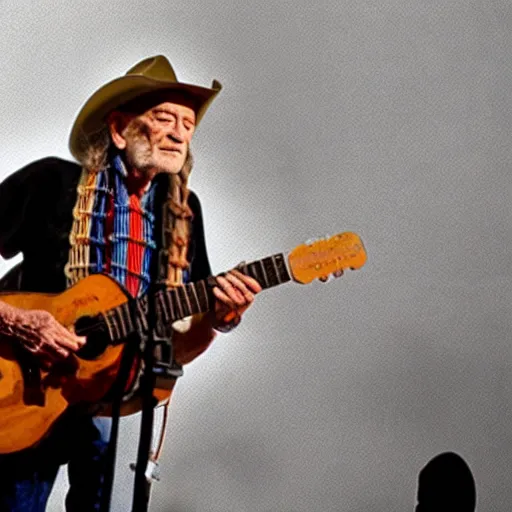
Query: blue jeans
{"type": "Point", "coordinates": [28, 476]}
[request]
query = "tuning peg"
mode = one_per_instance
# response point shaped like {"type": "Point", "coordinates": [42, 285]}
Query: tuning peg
{"type": "Point", "coordinates": [338, 273]}
{"type": "Point", "coordinates": [324, 279]}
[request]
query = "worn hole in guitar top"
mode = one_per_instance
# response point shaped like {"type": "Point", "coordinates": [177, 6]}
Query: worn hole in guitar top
{"type": "Point", "coordinates": [97, 335]}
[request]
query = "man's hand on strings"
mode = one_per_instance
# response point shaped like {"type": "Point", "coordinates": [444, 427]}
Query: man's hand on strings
{"type": "Point", "coordinates": [42, 335]}
{"type": "Point", "coordinates": [234, 294]}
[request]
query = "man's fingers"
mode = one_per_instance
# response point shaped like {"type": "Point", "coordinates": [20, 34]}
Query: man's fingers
{"type": "Point", "coordinates": [59, 350]}
{"type": "Point", "coordinates": [51, 352]}
{"type": "Point", "coordinates": [235, 295]}
{"type": "Point", "coordinates": [69, 340]}
{"type": "Point", "coordinates": [65, 343]}
{"type": "Point", "coordinates": [223, 297]}
{"type": "Point", "coordinates": [70, 335]}
{"type": "Point", "coordinates": [241, 287]}
{"type": "Point", "coordinates": [249, 281]}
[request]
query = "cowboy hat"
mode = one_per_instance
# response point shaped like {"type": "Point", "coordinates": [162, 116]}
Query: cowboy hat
{"type": "Point", "coordinates": [149, 75]}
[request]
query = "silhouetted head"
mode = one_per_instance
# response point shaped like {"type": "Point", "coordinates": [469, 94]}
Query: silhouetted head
{"type": "Point", "coordinates": [446, 484]}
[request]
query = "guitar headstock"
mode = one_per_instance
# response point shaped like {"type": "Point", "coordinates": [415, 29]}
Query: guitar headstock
{"type": "Point", "coordinates": [333, 255]}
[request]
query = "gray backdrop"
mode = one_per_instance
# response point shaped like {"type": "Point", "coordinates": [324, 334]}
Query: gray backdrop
{"type": "Point", "coordinates": [388, 118]}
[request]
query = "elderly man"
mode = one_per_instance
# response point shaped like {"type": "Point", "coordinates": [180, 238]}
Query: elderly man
{"type": "Point", "coordinates": [132, 140]}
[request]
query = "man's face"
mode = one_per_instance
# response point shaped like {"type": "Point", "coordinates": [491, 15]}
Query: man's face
{"type": "Point", "coordinates": [157, 139]}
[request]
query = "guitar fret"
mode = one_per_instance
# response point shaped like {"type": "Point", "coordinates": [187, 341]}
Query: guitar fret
{"type": "Point", "coordinates": [111, 325]}
{"type": "Point", "coordinates": [120, 323]}
{"type": "Point", "coordinates": [108, 322]}
{"type": "Point", "coordinates": [159, 310]}
{"type": "Point", "coordinates": [247, 269]}
{"type": "Point", "coordinates": [163, 311]}
{"type": "Point", "coordinates": [178, 304]}
{"type": "Point", "coordinates": [192, 288]}
{"type": "Point", "coordinates": [188, 308]}
{"type": "Point", "coordinates": [128, 317]}
{"type": "Point", "coordinates": [271, 271]}
{"type": "Point", "coordinates": [280, 267]}
{"type": "Point", "coordinates": [123, 330]}
{"type": "Point", "coordinates": [265, 282]}
{"type": "Point", "coordinates": [141, 314]}
{"type": "Point", "coordinates": [169, 304]}
{"type": "Point", "coordinates": [283, 271]}
{"type": "Point", "coordinates": [182, 305]}
{"type": "Point", "coordinates": [203, 296]}
{"type": "Point", "coordinates": [115, 327]}
{"type": "Point", "coordinates": [276, 269]}
{"type": "Point", "coordinates": [255, 271]}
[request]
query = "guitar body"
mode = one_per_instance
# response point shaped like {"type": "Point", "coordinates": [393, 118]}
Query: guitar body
{"type": "Point", "coordinates": [24, 425]}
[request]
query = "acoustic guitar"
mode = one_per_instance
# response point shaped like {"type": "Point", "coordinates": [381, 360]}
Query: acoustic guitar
{"type": "Point", "coordinates": [32, 399]}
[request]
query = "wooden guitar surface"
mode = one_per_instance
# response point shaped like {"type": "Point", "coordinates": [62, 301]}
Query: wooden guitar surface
{"type": "Point", "coordinates": [23, 425]}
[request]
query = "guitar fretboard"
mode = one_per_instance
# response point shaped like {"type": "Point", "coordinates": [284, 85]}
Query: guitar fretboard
{"type": "Point", "coordinates": [180, 302]}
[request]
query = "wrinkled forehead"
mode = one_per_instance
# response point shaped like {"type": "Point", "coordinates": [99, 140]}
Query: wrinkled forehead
{"type": "Point", "coordinates": [149, 101]}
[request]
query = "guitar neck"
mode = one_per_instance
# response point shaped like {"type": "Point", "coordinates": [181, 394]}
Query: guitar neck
{"type": "Point", "coordinates": [306, 262]}
{"type": "Point", "coordinates": [192, 298]}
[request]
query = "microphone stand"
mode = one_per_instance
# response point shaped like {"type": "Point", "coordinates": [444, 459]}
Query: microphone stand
{"type": "Point", "coordinates": [142, 483]}
{"type": "Point", "coordinates": [145, 468]}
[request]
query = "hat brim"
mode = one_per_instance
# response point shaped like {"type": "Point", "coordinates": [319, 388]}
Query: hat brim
{"type": "Point", "coordinates": [91, 118]}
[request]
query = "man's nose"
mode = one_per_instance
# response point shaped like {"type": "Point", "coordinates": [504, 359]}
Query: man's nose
{"type": "Point", "coordinates": [177, 134]}
{"type": "Point", "coordinates": [175, 137]}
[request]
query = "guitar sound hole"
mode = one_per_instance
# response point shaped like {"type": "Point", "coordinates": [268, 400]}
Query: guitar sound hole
{"type": "Point", "coordinates": [97, 335]}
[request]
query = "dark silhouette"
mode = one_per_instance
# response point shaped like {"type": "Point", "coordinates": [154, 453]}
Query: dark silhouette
{"type": "Point", "coordinates": [446, 484]}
